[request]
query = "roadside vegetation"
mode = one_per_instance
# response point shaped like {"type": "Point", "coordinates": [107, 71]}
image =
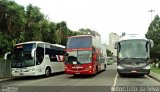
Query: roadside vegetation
{"type": "Point", "coordinates": [154, 34]}
{"type": "Point", "coordinates": [155, 69]}
{"type": "Point", "coordinates": [21, 24]}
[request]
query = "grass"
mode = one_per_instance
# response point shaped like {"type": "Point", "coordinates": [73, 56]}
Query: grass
{"type": "Point", "coordinates": [156, 70]}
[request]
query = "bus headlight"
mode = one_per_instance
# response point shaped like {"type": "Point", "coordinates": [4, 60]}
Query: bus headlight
{"type": "Point", "coordinates": [89, 67]}
{"type": "Point", "coordinates": [31, 70]}
{"type": "Point", "coordinates": [120, 67]}
{"type": "Point", "coordinates": [66, 67]}
{"type": "Point", "coordinates": [14, 71]}
{"type": "Point", "coordinates": [147, 67]}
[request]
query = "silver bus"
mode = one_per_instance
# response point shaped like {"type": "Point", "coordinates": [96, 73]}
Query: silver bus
{"type": "Point", "coordinates": [133, 55]}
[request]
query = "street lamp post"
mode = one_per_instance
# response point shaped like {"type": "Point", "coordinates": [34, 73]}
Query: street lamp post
{"type": "Point", "coordinates": [151, 12]}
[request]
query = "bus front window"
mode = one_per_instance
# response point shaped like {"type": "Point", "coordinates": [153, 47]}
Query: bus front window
{"type": "Point", "coordinates": [81, 57]}
{"type": "Point", "coordinates": [84, 57]}
{"type": "Point", "coordinates": [79, 42]}
{"type": "Point", "coordinates": [21, 56]}
{"type": "Point", "coordinates": [133, 49]}
{"type": "Point", "coordinates": [72, 56]}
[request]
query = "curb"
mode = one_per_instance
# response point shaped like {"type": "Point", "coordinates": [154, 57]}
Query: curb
{"type": "Point", "coordinates": [152, 75]}
{"type": "Point", "coordinates": [6, 79]}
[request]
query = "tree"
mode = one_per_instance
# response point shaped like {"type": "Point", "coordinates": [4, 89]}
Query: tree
{"type": "Point", "coordinates": [12, 24]}
{"type": "Point", "coordinates": [85, 31]}
{"type": "Point", "coordinates": [34, 23]}
{"type": "Point", "coordinates": [109, 53]}
{"type": "Point", "coordinates": [19, 24]}
{"type": "Point", "coordinates": [62, 32]}
{"type": "Point", "coordinates": [154, 34]}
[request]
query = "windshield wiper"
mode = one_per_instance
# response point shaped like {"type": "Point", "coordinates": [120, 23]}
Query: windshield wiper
{"type": "Point", "coordinates": [124, 59]}
{"type": "Point", "coordinates": [145, 59]}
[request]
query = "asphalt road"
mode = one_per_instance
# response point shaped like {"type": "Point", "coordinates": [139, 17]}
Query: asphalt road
{"type": "Point", "coordinates": [105, 81]}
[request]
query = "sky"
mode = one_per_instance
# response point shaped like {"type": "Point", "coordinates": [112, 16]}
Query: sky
{"type": "Point", "coordinates": [103, 16]}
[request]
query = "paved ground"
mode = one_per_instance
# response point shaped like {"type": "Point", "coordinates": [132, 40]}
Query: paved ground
{"type": "Point", "coordinates": [105, 81]}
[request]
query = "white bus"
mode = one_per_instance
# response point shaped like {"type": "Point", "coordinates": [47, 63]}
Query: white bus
{"type": "Point", "coordinates": [36, 58]}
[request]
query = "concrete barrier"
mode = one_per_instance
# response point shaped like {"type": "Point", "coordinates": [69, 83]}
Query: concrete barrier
{"type": "Point", "coordinates": [5, 68]}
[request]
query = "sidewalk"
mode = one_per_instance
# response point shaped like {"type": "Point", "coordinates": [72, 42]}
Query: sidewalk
{"type": "Point", "coordinates": [154, 75]}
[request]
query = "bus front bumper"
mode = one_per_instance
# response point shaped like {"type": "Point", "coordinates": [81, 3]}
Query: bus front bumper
{"type": "Point", "coordinates": [132, 70]}
{"type": "Point", "coordinates": [24, 72]}
{"type": "Point", "coordinates": [16, 74]}
{"type": "Point", "coordinates": [79, 72]}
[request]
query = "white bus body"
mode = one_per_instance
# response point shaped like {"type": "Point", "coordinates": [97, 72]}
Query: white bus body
{"type": "Point", "coordinates": [37, 58]}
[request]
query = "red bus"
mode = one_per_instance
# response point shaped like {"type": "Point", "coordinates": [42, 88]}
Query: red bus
{"type": "Point", "coordinates": [84, 55]}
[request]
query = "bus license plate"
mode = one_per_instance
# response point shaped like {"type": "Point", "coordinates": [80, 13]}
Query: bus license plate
{"type": "Point", "coordinates": [77, 73]}
{"type": "Point", "coordinates": [133, 71]}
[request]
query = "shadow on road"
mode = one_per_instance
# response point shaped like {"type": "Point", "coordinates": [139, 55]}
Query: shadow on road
{"type": "Point", "coordinates": [35, 77]}
{"type": "Point", "coordinates": [132, 76]}
{"type": "Point", "coordinates": [84, 76]}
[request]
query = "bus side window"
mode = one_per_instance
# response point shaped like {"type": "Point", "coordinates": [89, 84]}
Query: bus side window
{"type": "Point", "coordinates": [39, 54]}
{"type": "Point", "coordinates": [52, 54]}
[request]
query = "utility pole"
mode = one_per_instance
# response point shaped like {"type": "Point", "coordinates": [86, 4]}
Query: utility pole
{"type": "Point", "coordinates": [151, 11]}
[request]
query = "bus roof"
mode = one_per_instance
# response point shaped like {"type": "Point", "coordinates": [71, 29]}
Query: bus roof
{"type": "Point", "coordinates": [80, 36]}
{"type": "Point", "coordinates": [57, 45]}
{"type": "Point", "coordinates": [132, 36]}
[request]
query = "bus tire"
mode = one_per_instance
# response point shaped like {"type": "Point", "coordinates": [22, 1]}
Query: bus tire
{"type": "Point", "coordinates": [120, 74]}
{"type": "Point", "coordinates": [105, 66]}
{"type": "Point", "coordinates": [47, 72]}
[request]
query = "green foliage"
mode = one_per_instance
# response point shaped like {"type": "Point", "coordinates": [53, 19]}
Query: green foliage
{"type": "Point", "coordinates": [156, 70]}
{"type": "Point", "coordinates": [19, 24]}
{"type": "Point", "coordinates": [12, 23]}
{"type": "Point", "coordinates": [109, 53]}
{"type": "Point", "coordinates": [154, 34]}
{"type": "Point", "coordinates": [34, 23]}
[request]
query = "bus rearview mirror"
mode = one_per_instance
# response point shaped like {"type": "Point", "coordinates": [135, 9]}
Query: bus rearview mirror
{"type": "Point", "coordinates": [115, 45]}
{"type": "Point", "coordinates": [33, 52]}
{"type": "Point", "coordinates": [152, 43]}
{"type": "Point", "coordinates": [6, 56]}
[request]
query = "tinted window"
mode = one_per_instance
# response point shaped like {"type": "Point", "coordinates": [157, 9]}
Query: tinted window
{"type": "Point", "coordinates": [39, 53]}
{"type": "Point", "coordinates": [79, 42]}
{"type": "Point", "coordinates": [21, 56]}
{"type": "Point", "coordinates": [81, 57]}
{"type": "Point", "coordinates": [53, 51]}
{"type": "Point", "coordinates": [134, 49]}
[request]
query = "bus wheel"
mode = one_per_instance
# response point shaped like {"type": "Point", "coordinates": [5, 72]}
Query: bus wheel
{"type": "Point", "coordinates": [105, 67]}
{"type": "Point", "coordinates": [120, 74]}
{"type": "Point", "coordinates": [47, 72]}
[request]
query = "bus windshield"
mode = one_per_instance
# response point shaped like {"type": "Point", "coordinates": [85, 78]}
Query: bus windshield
{"type": "Point", "coordinates": [21, 56]}
{"type": "Point", "coordinates": [79, 42]}
{"type": "Point", "coordinates": [81, 57]}
{"type": "Point", "coordinates": [134, 49]}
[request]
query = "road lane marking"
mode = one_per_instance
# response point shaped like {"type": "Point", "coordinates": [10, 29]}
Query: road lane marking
{"type": "Point", "coordinates": [114, 84]}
